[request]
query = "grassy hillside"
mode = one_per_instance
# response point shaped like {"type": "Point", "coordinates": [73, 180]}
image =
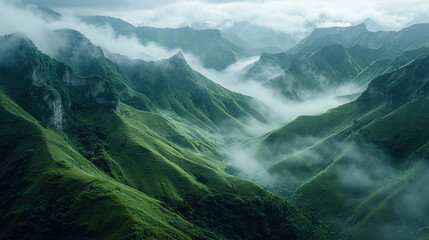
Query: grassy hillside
{"type": "Point", "coordinates": [356, 166]}
{"type": "Point", "coordinates": [107, 170]}
{"type": "Point", "coordinates": [324, 69]}
{"type": "Point", "coordinates": [168, 85]}
{"type": "Point", "coordinates": [340, 62]}
{"type": "Point", "coordinates": [44, 177]}
{"type": "Point", "coordinates": [174, 86]}
{"type": "Point", "coordinates": [270, 65]}
{"type": "Point", "coordinates": [96, 147]}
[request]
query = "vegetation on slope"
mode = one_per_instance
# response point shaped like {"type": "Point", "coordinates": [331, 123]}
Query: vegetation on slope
{"type": "Point", "coordinates": [355, 166]}
{"type": "Point", "coordinates": [111, 171]}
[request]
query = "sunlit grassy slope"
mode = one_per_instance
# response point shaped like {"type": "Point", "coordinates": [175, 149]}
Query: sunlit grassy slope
{"type": "Point", "coordinates": [39, 168]}
{"type": "Point", "coordinates": [77, 163]}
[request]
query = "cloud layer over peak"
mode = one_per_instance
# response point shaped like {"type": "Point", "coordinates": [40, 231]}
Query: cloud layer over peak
{"type": "Point", "coordinates": [296, 17]}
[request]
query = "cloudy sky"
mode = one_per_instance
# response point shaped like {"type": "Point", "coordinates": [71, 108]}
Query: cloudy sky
{"type": "Point", "coordinates": [285, 15]}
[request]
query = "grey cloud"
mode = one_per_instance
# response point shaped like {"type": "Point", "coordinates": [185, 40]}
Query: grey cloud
{"type": "Point", "coordinates": [99, 4]}
{"type": "Point", "coordinates": [281, 109]}
{"type": "Point", "coordinates": [294, 17]}
{"type": "Point", "coordinates": [19, 19]}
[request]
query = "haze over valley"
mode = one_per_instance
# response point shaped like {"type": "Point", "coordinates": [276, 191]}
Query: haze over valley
{"type": "Point", "coordinates": [206, 119]}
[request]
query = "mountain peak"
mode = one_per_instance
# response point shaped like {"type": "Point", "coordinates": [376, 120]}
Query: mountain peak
{"type": "Point", "coordinates": [19, 36]}
{"type": "Point", "coordinates": [179, 54]}
{"type": "Point", "coordinates": [75, 43]}
{"type": "Point", "coordinates": [119, 25]}
{"type": "Point", "coordinates": [178, 59]}
{"type": "Point", "coordinates": [71, 34]}
{"type": "Point", "coordinates": [321, 37]}
{"type": "Point", "coordinates": [15, 47]}
{"type": "Point", "coordinates": [338, 30]}
{"type": "Point", "coordinates": [360, 26]}
{"type": "Point", "coordinates": [417, 27]}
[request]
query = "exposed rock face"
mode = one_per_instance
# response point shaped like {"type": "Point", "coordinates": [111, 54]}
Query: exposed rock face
{"type": "Point", "coordinates": [51, 85]}
{"type": "Point", "coordinates": [55, 110]}
{"type": "Point", "coordinates": [38, 77]}
{"type": "Point", "coordinates": [96, 88]}
{"type": "Point", "coordinates": [71, 79]}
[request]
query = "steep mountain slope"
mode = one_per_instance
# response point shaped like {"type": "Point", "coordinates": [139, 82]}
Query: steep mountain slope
{"type": "Point", "coordinates": [322, 37]}
{"type": "Point", "coordinates": [390, 42]}
{"type": "Point", "coordinates": [374, 26]}
{"type": "Point", "coordinates": [51, 191]}
{"type": "Point", "coordinates": [170, 85]}
{"type": "Point", "coordinates": [174, 86]}
{"type": "Point", "coordinates": [330, 67]}
{"type": "Point", "coordinates": [282, 71]}
{"type": "Point", "coordinates": [41, 10]}
{"type": "Point", "coordinates": [158, 178]}
{"type": "Point", "coordinates": [257, 38]}
{"type": "Point", "coordinates": [33, 82]}
{"type": "Point", "coordinates": [387, 65]}
{"type": "Point", "coordinates": [270, 65]}
{"type": "Point", "coordinates": [325, 65]}
{"type": "Point", "coordinates": [358, 166]}
{"type": "Point", "coordinates": [213, 50]}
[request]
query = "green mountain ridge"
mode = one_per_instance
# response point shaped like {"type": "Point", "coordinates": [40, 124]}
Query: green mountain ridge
{"type": "Point", "coordinates": [208, 45]}
{"type": "Point", "coordinates": [170, 85]}
{"type": "Point", "coordinates": [326, 68]}
{"type": "Point", "coordinates": [383, 66]}
{"type": "Point", "coordinates": [355, 165]}
{"type": "Point", "coordinates": [256, 38]}
{"type": "Point", "coordinates": [350, 55]}
{"type": "Point", "coordinates": [159, 178]}
{"type": "Point", "coordinates": [322, 37]}
{"type": "Point", "coordinates": [270, 65]}
{"type": "Point", "coordinates": [391, 42]}
{"type": "Point", "coordinates": [94, 145]}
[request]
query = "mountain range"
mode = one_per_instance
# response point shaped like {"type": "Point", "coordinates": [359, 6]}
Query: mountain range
{"type": "Point", "coordinates": [332, 57]}
{"type": "Point", "coordinates": [212, 49]}
{"type": "Point", "coordinates": [95, 145]}
{"type": "Point", "coordinates": [381, 138]}
{"type": "Point", "coordinates": [72, 147]}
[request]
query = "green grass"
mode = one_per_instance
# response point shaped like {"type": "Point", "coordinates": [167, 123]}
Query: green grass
{"type": "Point", "coordinates": [114, 172]}
{"type": "Point", "coordinates": [385, 128]}
{"type": "Point", "coordinates": [55, 167]}
{"type": "Point", "coordinates": [149, 165]}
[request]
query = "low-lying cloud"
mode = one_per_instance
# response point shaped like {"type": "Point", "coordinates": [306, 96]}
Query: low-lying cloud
{"type": "Point", "coordinates": [16, 19]}
{"type": "Point", "coordinates": [281, 109]}
{"type": "Point", "coordinates": [355, 167]}
{"type": "Point", "coordinates": [292, 17]}
{"type": "Point", "coordinates": [39, 30]}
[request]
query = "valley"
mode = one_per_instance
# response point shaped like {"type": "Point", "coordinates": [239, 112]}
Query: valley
{"type": "Point", "coordinates": [111, 130]}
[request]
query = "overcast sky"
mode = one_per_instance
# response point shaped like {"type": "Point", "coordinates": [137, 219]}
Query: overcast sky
{"type": "Point", "coordinates": [287, 16]}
